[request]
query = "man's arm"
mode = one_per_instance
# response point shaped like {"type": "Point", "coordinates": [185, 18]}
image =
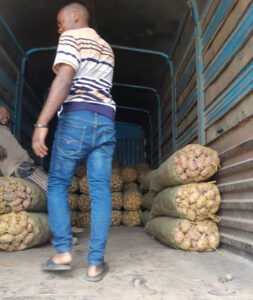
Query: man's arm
{"type": "Point", "coordinates": [59, 91]}
{"type": "Point", "coordinates": [3, 153]}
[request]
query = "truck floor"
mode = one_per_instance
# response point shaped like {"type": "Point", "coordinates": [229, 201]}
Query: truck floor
{"type": "Point", "coordinates": [140, 268]}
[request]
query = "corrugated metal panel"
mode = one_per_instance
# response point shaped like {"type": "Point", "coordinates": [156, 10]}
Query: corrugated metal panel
{"type": "Point", "coordinates": [235, 181]}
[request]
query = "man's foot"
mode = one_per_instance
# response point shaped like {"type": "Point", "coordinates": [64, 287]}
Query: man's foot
{"type": "Point", "coordinates": [96, 273]}
{"type": "Point", "coordinates": [62, 258]}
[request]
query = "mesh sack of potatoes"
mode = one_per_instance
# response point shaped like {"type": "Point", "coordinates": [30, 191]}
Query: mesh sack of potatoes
{"type": "Point", "coordinates": [146, 181]}
{"type": "Point", "coordinates": [81, 171]}
{"type": "Point", "coordinates": [84, 185]}
{"type": "Point", "coordinates": [132, 200]}
{"type": "Point", "coordinates": [193, 163]}
{"type": "Point", "coordinates": [130, 186]}
{"type": "Point", "coordinates": [84, 203]}
{"type": "Point", "coordinates": [73, 200]}
{"type": "Point", "coordinates": [117, 201]}
{"type": "Point", "coordinates": [116, 217]}
{"type": "Point", "coordinates": [83, 219]}
{"type": "Point", "coordinates": [116, 182]}
{"type": "Point", "coordinates": [194, 201]}
{"type": "Point", "coordinates": [74, 185]}
{"type": "Point", "coordinates": [17, 194]}
{"type": "Point", "coordinates": [73, 216]}
{"type": "Point", "coordinates": [22, 230]}
{"type": "Point", "coordinates": [146, 217]}
{"type": "Point", "coordinates": [142, 166]}
{"type": "Point", "coordinates": [142, 174]}
{"type": "Point", "coordinates": [183, 234]}
{"type": "Point", "coordinates": [131, 218]}
{"type": "Point", "coordinates": [129, 174]}
{"type": "Point", "coordinates": [147, 200]}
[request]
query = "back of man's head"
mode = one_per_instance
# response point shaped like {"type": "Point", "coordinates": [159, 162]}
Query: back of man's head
{"type": "Point", "coordinates": [72, 16]}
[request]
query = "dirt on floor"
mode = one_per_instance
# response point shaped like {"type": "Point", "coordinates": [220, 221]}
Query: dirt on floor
{"type": "Point", "coordinates": [140, 268]}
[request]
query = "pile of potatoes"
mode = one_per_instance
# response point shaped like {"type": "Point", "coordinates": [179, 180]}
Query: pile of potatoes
{"type": "Point", "coordinates": [198, 201]}
{"type": "Point", "coordinates": [200, 236]}
{"type": "Point", "coordinates": [126, 197]}
{"type": "Point", "coordinates": [15, 196]}
{"type": "Point", "coordinates": [196, 163]}
{"type": "Point", "coordinates": [194, 201]}
{"type": "Point", "coordinates": [22, 230]}
{"type": "Point", "coordinates": [131, 218]}
{"type": "Point", "coordinates": [183, 234]}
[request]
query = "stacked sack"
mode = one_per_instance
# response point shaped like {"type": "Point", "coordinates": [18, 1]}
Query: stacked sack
{"type": "Point", "coordinates": [179, 205]}
{"type": "Point", "coordinates": [83, 217]}
{"type": "Point", "coordinates": [126, 197]}
{"type": "Point", "coordinates": [131, 197]}
{"type": "Point", "coordinates": [74, 195]}
{"type": "Point", "coordinates": [23, 219]}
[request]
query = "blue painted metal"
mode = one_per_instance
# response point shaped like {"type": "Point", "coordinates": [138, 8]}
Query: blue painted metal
{"type": "Point", "coordinates": [231, 47]}
{"type": "Point", "coordinates": [179, 32]}
{"type": "Point", "coordinates": [12, 35]}
{"type": "Point", "coordinates": [130, 137]}
{"type": "Point", "coordinates": [187, 49]}
{"type": "Point", "coordinates": [150, 126]}
{"type": "Point", "coordinates": [158, 109]}
{"type": "Point", "coordinates": [188, 135]}
{"type": "Point", "coordinates": [173, 106]}
{"type": "Point", "coordinates": [11, 88]}
{"type": "Point", "coordinates": [18, 99]}
{"type": "Point", "coordinates": [200, 70]}
{"type": "Point", "coordinates": [186, 107]}
{"type": "Point", "coordinates": [241, 86]}
{"type": "Point", "coordinates": [218, 17]}
{"type": "Point", "coordinates": [4, 54]}
{"type": "Point", "coordinates": [206, 9]}
{"type": "Point", "coordinates": [118, 47]}
{"type": "Point", "coordinates": [139, 50]}
{"type": "Point", "coordinates": [185, 77]}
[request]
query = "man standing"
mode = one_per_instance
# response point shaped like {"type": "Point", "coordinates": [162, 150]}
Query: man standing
{"type": "Point", "coordinates": [81, 92]}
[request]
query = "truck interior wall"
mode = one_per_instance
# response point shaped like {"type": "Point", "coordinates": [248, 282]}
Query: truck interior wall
{"type": "Point", "coordinates": [10, 59]}
{"type": "Point", "coordinates": [204, 90]}
{"type": "Point", "coordinates": [226, 40]}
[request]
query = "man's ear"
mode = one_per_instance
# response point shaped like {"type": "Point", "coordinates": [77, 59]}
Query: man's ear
{"type": "Point", "coordinates": [75, 16]}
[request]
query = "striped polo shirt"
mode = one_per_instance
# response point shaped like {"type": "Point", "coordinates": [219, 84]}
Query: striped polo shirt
{"type": "Point", "coordinates": [93, 60]}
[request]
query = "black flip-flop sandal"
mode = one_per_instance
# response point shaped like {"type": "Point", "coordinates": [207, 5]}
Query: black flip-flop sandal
{"type": "Point", "coordinates": [100, 276]}
{"type": "Point", "coordinates": [52, 266]}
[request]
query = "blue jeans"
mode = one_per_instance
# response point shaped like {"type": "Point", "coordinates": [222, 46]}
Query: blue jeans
{"type": "Point", "coordinates": [81, 134]}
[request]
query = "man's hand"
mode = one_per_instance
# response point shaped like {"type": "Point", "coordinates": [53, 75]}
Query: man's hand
{"type": "Point", "coordinates": [3, 153]}
{"type": "Point", "coordinates": [38, 141]}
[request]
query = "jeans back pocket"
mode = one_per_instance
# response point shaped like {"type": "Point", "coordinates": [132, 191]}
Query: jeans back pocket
{"type": "Point", "coordinates": [69, 138]}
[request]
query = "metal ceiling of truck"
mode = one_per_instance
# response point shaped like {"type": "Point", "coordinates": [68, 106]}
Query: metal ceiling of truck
{"type": "Point", "coordinates": [146, 24]}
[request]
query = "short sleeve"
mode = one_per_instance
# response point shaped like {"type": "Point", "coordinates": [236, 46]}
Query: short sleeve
{"type": "Point", "coordinates": [67, 52]}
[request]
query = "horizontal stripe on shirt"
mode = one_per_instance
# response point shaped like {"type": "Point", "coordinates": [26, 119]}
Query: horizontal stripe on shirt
{"type": "Point", "coordinates": [88, 48]}
{"type": "Point", "coordinates": [94, 81]}
{"type": "Point", "coordinates": [102, 47]}
{"type": "Point", "coordinates": [90, 84]}
{"type": "Point", "coordinates": [84, 39]}
{"type": "Point", "coordinates": [68, 53]}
